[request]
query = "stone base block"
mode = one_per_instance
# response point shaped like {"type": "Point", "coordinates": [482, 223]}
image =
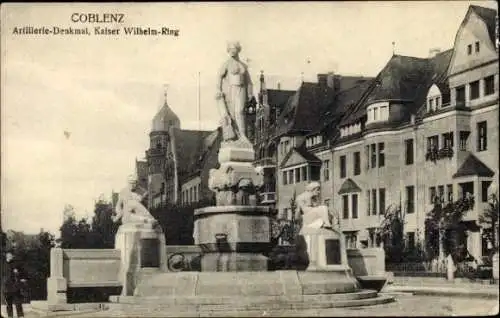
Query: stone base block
{"type": "Point", "coordinates": [236, 152]}
{"type": "Point", "coordinates": [46, 308]}
{"type": "Point", "coordinates": [242, 284]}
{"type": "Point", "coordinates": [239, 224]}
{"type": "Point", "coordinates": [56, 290]}
{"type": "Point", "coordinates": [233, 262]}
{"type": "Point", "coordinates": [322, 249]}
{"type": "Point", "coordinates": [251, 306]}
{"type": "Point", "coordinates": [130, 239]}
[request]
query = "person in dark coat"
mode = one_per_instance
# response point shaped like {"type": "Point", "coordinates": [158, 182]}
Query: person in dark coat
{"type": "Point", "coordinates": [13, 283]}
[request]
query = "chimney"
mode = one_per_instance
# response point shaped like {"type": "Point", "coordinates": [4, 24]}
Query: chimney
{"type": "Point", "coordinates": [330, 80]}
{"type": "Point", "coordinates": [322, 80]}
{"type": "Point", "coordinates": [434, 51]}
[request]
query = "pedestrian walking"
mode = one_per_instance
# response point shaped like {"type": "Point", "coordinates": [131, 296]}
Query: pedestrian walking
{"type": "Point", "coordinates": [13, 285]}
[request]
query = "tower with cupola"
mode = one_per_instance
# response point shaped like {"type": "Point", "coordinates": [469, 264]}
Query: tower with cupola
{"type": "Point", "coordinates": [159, 151]}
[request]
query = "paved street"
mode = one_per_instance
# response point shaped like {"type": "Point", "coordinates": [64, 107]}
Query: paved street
{"type": "Point", "coordinates": [405, 305]}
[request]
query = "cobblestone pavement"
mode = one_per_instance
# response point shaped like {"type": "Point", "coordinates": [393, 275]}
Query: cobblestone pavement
{"type": "Point", "coordinates": [405, 305]}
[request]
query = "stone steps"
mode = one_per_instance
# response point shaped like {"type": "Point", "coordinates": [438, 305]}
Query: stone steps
{"type": "Point", "coordinates": [222, 306]}
{"type": "Point", "coordinates": [225, 300]}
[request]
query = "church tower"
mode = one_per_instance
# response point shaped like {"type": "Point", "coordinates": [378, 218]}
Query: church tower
{"type": "Point", "coordinates": [158, 151]}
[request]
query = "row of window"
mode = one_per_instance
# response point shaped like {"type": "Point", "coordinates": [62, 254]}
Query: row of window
{"type": "Point", "coordinates": [476, 46]}
{"type": "Point", "coordinates": [375, 202]}
{"type": "Point", "coordinates": [349, 130]}
{"type": "Point", "coordinates": [372, 208]}
{"type": "Point", "coordinates": [474, 89]}
{"type": "Point", "coordinates": [191, 194]}
{"type": "Point", "coordinates": [314, 140]}
{"type": "Point", "coordinates": [374, 239]}
{"type": "Point", "coordinates": [434, 103]}
{"type": "Point", "coordinates": [378, 113]}
{"type": "Point", "coordinates": [356, 157]}
{"type": "Point", "coordinates": [375, 156]}
{"type": "Point", "coordinates": [304, 173]}
{"type": "Point", "coordinates": [353, 207]}
{"type": "Point", "coordinates": [445, 193]}
{"type": "Point", "coordinates": [447, 141]}
{"type": "Point", "coordinates": [374, 196]}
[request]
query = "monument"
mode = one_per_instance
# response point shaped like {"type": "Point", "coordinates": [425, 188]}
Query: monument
{"type": "Point", "coordinates": [234, 233]}
{"type": "Point", "coordinates": [318, 243]}
{"type": "Point", "coordinates": [233, 238]}
{"type": "Point", "coordinates": [139, 239]}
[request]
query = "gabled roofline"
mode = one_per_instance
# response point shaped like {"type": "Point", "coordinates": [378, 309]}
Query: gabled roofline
{"type": "Point", "coordinates": [296, 149]}
{"type": "Point", "coordinates": [460, 28]}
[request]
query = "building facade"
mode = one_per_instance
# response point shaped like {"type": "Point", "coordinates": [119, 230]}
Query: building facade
{"type": "Point", "coordinates": [170, 157]}
{"type": "Point", "coordinates": [423, 128]}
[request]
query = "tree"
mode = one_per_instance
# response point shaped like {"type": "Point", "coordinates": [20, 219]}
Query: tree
{"type": "Point", "coordinates": [391, 232]}
{"type": "Point", "coordinates": [445, 222]}
{"type": "Point", "coordinates": [177, 220]}
{"type": "Point", "coordinates": [103, 229]}
{"type": "Point", "coordinates": [489, 220]}
{"type": "Point", "coordinates": [34, 253]}
{"type": "Point", "coordinates": [74, 233]}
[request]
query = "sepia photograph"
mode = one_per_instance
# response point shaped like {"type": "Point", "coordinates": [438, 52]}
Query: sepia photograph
{"type": "Point", "coordinates": [249, 159]}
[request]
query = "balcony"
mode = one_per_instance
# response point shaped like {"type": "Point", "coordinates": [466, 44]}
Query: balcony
{"type": "Point", "coordinates": [434, 154]}
{"type": "Point", "coordinates": [267, 162]}
{"type": "Point", "coordinates": [268, 198]}
{"type": "Point", "coordinates": [155, 152]}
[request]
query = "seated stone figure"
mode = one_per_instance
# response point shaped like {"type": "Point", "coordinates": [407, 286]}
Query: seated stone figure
{"type": "Point", "coordinates": [309, 212]}
{"type": "Point", "coordinates": [130, 209]}
{"type": "Point", "coordinates": [135, 218]}
{"type": "Point", "coordinates": [315, 223]}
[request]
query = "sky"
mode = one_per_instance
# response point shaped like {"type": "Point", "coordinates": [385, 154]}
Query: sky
{"type": "Point", "coordinates": [105, 89]}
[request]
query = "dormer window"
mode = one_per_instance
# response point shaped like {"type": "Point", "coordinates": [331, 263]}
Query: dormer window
{"type": "Point", "coordinates": [378, 112]}
{"type": "Point", "coordinates": [434, 99]}
{"type": "Point", "coordinates": [314, 140]}
{"type": "Point", "coordinates": [350, 130]}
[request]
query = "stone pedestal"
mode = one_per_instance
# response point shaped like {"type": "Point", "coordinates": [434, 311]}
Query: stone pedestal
{"type": "Point", "coordinates": [233, 238]}
{"type": "Point", "coordinates": [322, 249]}
{"type": "Point", "coordinates": [141, 246]}
{"type": "Point", "coordinates": [57, 284]}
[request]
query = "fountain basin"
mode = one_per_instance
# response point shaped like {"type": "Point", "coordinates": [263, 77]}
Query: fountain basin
{"type": "Point", "coordinates": [233, 238]}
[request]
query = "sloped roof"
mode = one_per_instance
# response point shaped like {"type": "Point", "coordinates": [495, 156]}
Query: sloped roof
{"type": "Point", "coordinates": [404, 78]}
{"type": "Point", "coordinates": [472, 166]}
{"type": "Point", "coordinates": [187, 143]}
{"type": "Point", "coordinates": [308, 157]}
{"type": "Point", "coordinates": [278, 97]}
{"type": "Point", "coordinates": [343, 102]}
{"type": "Point", "coordinates": [440, 64]}
{"type": "Point", "coordinates": [349, 186]}
{"type": "Point", "coordinates": [164, 118]}
{"type": "Point", "coordinates": [488, 16]}
{"type": "Point", "coordinates": [401, 80]}
{"type": "Point", "coordinates": [304, 108]}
